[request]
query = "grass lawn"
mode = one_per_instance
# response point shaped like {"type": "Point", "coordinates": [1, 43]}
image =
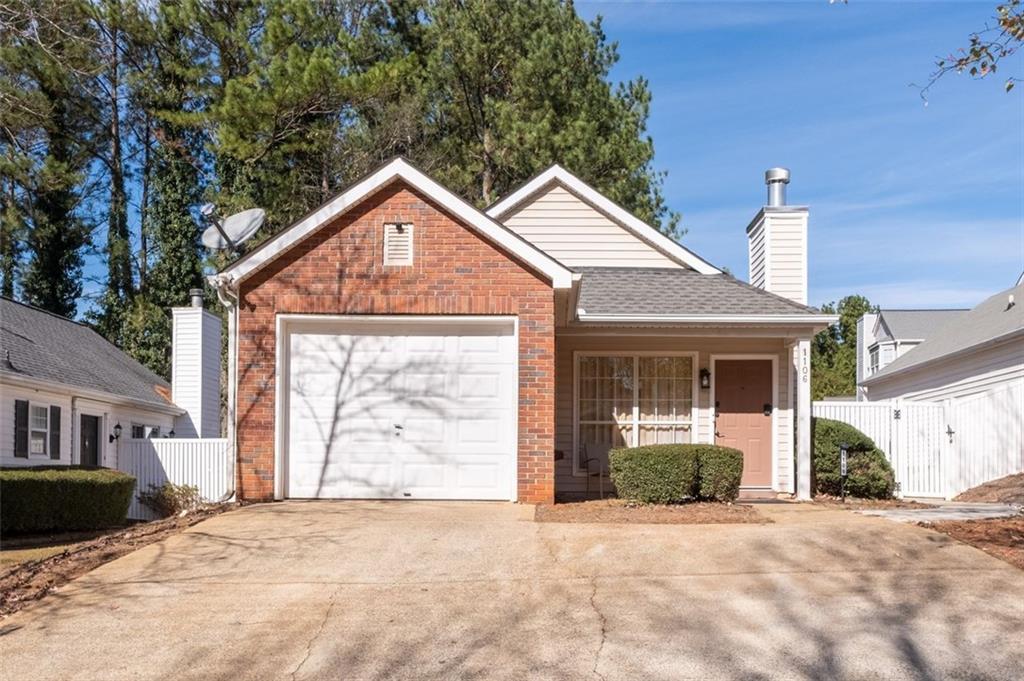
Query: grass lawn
{"type": "Point", "coordinates": [11, 557]}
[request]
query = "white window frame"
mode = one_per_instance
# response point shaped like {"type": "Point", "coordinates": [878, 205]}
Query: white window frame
{"type": "Point", "coordinates": [634, 422]}
{"type": "Point", "coordinates": [874, 359]}
{"type": "Point", "coordinates": [46, 439]}
{"type": "Point", "coordinates": [147, 431]}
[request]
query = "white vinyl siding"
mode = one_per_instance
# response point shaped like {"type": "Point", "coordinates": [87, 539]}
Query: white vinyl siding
{"type": "Point", "coordinates": [788, 234]}
{"type": "Point", "coordinates": [777, 253]}
{"type": "Point", "coordinates": [577, 235]}
{"type": "Point", "coordinates": [567, 347]}
{"type": "Point", "coordinates": [71, 409]}
{"type": "Point", "coordinates": [974, 373]}
{"type": "Point", "coordinates": [195, 369]}
{"type": "Point", "coordinates": [757, 256]}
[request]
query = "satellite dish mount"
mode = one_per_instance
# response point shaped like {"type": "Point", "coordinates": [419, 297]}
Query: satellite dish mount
{"type": "Point", "coordinates": [233, 231]}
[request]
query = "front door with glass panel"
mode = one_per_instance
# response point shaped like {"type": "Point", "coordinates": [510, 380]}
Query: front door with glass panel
{"type": "Point", "coordinates": [628, 400]}
{"type": "Point", "coordinates": [89, 452]}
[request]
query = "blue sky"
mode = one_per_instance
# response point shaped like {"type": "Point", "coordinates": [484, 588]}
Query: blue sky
{"type": "Point", "coordinates": [911, 205]}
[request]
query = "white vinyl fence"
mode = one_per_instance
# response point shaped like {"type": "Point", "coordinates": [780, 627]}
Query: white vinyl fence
{"type": "Point", "coordinates": [204, 463]}
{"type": "Point", "coordinates": [939, 449]}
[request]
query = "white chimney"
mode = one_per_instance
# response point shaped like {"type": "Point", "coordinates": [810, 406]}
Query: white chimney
{"type": "Point", "coordinates": [777, 242]}
{"type": "Point", "coordinates": [195, 369]}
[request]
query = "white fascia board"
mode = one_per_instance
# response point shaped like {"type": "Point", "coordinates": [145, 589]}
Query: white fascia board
{"type": "Point", "coordinates": [33, 383]}
{"type": "Point", "coordinates": [814, 320]}
{"type": "Point", "coordinates": [641, 229]}
{"type": "Point", "coordinates": [399, 168]}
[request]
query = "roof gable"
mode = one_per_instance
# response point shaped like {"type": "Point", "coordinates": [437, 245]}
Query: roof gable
{"type": "Point", "coordinates": [915, 324]}
{"type": "Point", "coordinates": [557, 175]}
{"type": "Point", "coordinates": [395, 170]}
{"type": "Point", "coordinates": [994, 320]}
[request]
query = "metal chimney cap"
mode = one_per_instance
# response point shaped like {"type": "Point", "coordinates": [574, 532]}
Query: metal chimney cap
{"type": "Point", "coordinates": [773, 175]}
{"type": "Point", "coordinates": [196, 294]}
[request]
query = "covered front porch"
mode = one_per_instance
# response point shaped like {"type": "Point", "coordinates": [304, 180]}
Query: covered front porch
{"type": "Point", "coordinates": [742, 384]}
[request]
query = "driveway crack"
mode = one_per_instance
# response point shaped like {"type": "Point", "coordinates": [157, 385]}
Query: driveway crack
{"type": "Point", "coordinates": [317, 633]}
{"type": "Point", "coordinates": [604, 626]}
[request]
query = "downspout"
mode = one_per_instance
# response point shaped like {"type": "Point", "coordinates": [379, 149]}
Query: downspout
{"type": "Point", "coordinates": [229, 299]}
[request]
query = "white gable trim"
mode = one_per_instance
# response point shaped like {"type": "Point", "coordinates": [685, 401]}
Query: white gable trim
{"type": "Point", "coordinates": [641, 229]}
{"type": "Point", "coordinates": [399, 168]}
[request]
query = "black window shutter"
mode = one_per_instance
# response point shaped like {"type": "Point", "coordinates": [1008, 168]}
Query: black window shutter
{"type": "Point", "coordinates": [54, 432]}
{"type": "Point", "coordinates": [21, 428]}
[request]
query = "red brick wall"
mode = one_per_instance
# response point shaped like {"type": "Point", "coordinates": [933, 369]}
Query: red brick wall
{"type": "Point", "coordinates": [338, 270]}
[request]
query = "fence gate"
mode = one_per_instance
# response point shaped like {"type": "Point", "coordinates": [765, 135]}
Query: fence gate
{"type": "Point", "coordinates": [912, 435]}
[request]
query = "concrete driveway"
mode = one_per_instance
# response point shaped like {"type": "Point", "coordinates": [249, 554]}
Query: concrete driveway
{"type": "Point", "coordinates": [365, 590]}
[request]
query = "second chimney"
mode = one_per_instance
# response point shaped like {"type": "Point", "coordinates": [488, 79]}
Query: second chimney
{"type": "Point", "coordinates": [777, 242]}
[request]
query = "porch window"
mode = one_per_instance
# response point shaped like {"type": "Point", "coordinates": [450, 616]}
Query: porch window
{"type": "Point", "coordinates": [626, 400]}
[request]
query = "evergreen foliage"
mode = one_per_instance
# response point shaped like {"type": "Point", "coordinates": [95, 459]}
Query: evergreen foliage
{"type": "Point", "coordinates": [151, 109]}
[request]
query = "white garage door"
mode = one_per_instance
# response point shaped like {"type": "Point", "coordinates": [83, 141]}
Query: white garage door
{"type": "Point", "coordinates": [402, 409]}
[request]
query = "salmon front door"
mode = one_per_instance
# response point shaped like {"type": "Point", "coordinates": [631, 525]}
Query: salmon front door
{"type": "Point", "coordinates": [743, 408]}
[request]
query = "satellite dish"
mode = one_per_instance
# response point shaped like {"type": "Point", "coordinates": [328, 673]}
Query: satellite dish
{"type": "Point", "coordinates": [233, 231]}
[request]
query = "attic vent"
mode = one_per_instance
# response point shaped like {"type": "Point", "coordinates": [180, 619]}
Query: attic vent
{"type": "Point", "coordinates": [398, 244]}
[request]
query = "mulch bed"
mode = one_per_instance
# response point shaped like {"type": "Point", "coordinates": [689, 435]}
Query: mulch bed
{"type": "Point", "coordinates": [999, 537]}
{"type": "Point", "coordinates": [621, 511]}
{"type": "Point", "coordinates": [854, 504]}
{"type": "Point", "coordinates": [28, 582]}
{"type": "Point", "coordinates": [1008, 490]}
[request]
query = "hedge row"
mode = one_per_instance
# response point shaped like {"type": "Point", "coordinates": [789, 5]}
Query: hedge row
{"type": "Point", "coordinates": [665, 474]}
{"type": "Point", "coordinates": [63, 498]}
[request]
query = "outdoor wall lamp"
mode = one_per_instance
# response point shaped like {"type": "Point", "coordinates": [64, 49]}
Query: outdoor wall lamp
{"type": "Point", "coordinates": [117, 432]}
{"type": "Point", "coordinates": [705, 378]}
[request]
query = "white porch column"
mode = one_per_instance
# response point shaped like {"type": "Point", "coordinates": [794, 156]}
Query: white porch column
{"type": "Point", "coordinates": [803, 419]}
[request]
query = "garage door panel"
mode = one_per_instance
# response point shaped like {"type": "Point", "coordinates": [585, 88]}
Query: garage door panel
{"type": "Point", "coordinates": [423, 414]}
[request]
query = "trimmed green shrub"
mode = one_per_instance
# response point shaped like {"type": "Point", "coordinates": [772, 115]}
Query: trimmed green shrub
{"type": "Point", "coordinates": [169, 499]}
{"type": "Point", "coordinates": [63, 498]}
{"type": "Point", "coordinates": [666, 474]}
{"type": "Point", "coordinates": [656, 474]}
{"type": "Point", "coordinates": [869, 475]}
{"type": "Point", "coordinates": [719, 470]}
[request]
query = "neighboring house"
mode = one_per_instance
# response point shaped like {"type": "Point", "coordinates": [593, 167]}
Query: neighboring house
{"type": "Point", "coordinates": [885, 335]}
{"type": "Point", "coordinates": [399, 343]}
{"type": "Point", "coordinates": [979, 352]}
{"type": "Point", "coordinates": [64, 389]}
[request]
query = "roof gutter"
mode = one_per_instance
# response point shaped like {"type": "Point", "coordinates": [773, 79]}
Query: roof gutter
{"type": "Point", "coordinates": [227, 294]}
{"type": "Point", "coordinates": [33, 383]}
{"type": "Point", "coordinates": [798, 319]}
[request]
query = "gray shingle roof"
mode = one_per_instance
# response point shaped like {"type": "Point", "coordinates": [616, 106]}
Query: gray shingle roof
{"type": "Point", "coordinates": [649, 291]}
{"type": "Point", "coordinates": [994, 318]}
{"type": "Point", "coordinates": [917, 324]}
{"type": "Point", "coordinates": [52, 348]}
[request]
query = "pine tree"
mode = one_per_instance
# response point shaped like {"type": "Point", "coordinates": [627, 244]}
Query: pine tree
{"type": "Point", "coordinates": [50, 125]}
{"type": "Point", "coordinates": [512, 87]}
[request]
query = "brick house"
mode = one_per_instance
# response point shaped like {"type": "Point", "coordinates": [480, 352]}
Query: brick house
{"type": "Point", "coordinates": [400, 343]}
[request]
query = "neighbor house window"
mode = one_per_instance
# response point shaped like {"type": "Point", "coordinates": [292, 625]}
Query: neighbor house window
{"type": "Point", "coordinates": [143, 432]}
{"type": "Point", "coordinates": [873, 360]}
{"type": "Point", "coordinates": [631, 400]}
{"type": "Point", "coordinates": [39, 430]}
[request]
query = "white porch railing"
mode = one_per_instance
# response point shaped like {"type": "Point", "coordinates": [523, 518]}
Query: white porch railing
{"type": "Point", "coordinates": [204, 463]}
{"type": "Point", "coordinates": [939, 449]}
